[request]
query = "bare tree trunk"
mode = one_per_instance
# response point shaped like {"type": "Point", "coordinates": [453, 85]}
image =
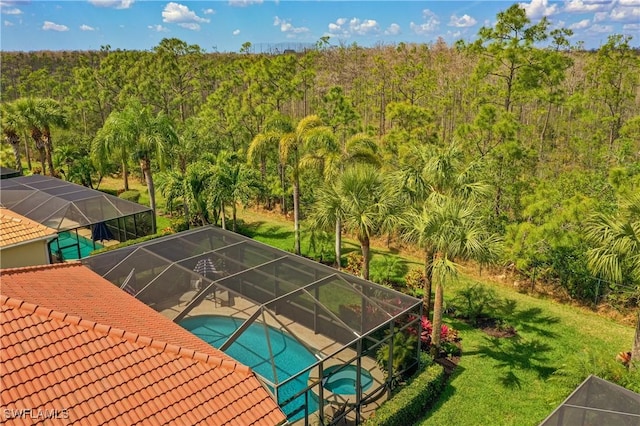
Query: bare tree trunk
{"type": "Point", "coordinates": [365, 247]}
{"type": "Point", "coordinates": [145, 164]}
{"type": "Point", "coordinates": [125, 174]}
{"type": "Point", "coordinates": [338, 247]}
{"type": "Point", "coordinates": [437, 320]}
{"type": "Point", "coordinates": [48, 145]}
{"type": "Point", "coordinates": [296, 217]}
{"type": "Point", "coordinates": [635, 352]}
{"type": "Point", "coordinates": [428, 280]}
{"type": "Point", "coordinates": [224, 220]}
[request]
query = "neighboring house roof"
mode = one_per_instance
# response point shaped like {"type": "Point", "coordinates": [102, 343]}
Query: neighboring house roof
{"type": "Point", "coordinates": [75, 343]}
{"type": "Point", "coordinates": [16, 229]}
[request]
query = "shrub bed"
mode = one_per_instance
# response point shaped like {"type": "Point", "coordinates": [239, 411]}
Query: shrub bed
{"type": "Point", "coordinates": [130, 196]}
{"type": "Point", "coordinates": [132, 242]}
{"type": "Point", "coordinates": [409, 404]}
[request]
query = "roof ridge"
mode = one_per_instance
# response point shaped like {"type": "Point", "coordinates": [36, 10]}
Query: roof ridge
{"type": "Point", "coordinates": [22, 269]}
{"type": "Point", "coordinates": [123, 334]}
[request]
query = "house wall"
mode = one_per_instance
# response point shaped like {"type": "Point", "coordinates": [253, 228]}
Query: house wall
{"type": "Point", "coordinates": [28, 254]}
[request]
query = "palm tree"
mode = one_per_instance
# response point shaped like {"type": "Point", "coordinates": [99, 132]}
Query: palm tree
{"type": "Point", "coordinates": [38, 116]}
{"type": "Point", "coordinates": [30, 120]}
{"type": "Point", "coordinates": [114, 141]}
{"type": "Point", "coordinates": [330, 160]}
{"type": "Point", "coordinates": [429, 172]}
{"type": "Point", "coordinates": [232, 183]}
{"type": "Point", "coordinates": [359, 198]}
{"type": "Point", "coordinates": [616, 256]}
{"type": "Point", "coordinates": [455, 233]}
{"type": "Point", "coordinates": [135, 129]}
{"type": "Point", "coordinates": [11, 125]}
{"type": "Point", "coordinates": [291, 144]}
{"type": "Point", "coordinates": [51, 114]}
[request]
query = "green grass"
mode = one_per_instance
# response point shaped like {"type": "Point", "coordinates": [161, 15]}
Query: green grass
{"type": "Point", "coordinates": [520, 380]}
{"type": "Point", "coordinates": [500, 381]}
{"type": "Point", "coordinates": [507, 381]}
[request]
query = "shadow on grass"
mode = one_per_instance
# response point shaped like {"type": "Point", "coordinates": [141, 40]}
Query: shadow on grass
{"type": "Point", "coordinates": [515, 354]}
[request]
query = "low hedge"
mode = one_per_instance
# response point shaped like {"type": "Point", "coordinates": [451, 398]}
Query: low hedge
{"type": "Point", "coordinates": [131, 242]}
{"type": "Point", "coordinates": [109, 191]}
{"type": "Point", "coordinates": [130, 196]}
{"type": "Point", "coordinates": [409, 404]}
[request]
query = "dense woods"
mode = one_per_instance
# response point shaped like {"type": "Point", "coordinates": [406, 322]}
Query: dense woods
{"type": "Point", "coordinates": [519, 149]}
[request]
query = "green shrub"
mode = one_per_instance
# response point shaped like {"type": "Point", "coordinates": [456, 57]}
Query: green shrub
{"type": "Point", "coordinates": [130, 196]}
{"type": "Point", "coordinates": [409, 404]}
{"type": "Point", "coordinates": [404, 351]}
{"type": "Point", "coordinates": [475, 302]}
{"type": "Point", "coordinates": [354, 263]}
{"type": "Point", "coordinates": [109, 191]}
{"type": "Point", "coordinates": [131, 242]}
{"type": "Point", "coordinates": [179, 225]}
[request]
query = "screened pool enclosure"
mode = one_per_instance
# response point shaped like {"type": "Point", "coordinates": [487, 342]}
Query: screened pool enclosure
{"type": "Point", "coordinates": [83, 217]}
{"type": "Point", "coordinates": [310, 332]}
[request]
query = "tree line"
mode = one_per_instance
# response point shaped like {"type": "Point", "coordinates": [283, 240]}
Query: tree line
{"type": "Point", "coordinates": [519, 148]}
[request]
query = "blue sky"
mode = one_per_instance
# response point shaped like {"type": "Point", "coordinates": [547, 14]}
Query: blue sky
{"type": "Point", "coordinates": [225, 25]}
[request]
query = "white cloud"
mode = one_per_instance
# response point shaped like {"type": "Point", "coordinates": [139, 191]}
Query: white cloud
{"type": "Point", "coordinates": [462, 22]}
{"type": "Point", "coordinates": [11, 11]}
{"type": "Point", "coordinates": [52, 26]}
{"type": "Point", "coordinates": [601, 29]}
{"type": "Point", "coordinates": [539, 8]}
{"type": "Point", "coordinates": [347, 27]}
{"type": "Point", "coordinates": [236, 32]}
{"type": "Point", "coordinates": [430, 25]}
{"type": "Point", "coordinates": [244, 3]}
{"type": "Point", "coordinates": [625, 14]}
{"type": "Point", "coordinates": [631, 27]}
{"type": "Point", "coordinates": [180, 14]}
{"type": "Point", "coordinates": [118, 4]}
{"type": "Point", "coordinates": [286, 27]}
{"type": "Point", "coordinates": [632, 3]}
{"type": "Point", "coordinates": [209, 11]}
{"type": "Point", "coordinates": [583, 6]}
{"type": "Point", "coordinates": [8, 23]}
{"type": "Point", "coordinates": [393, 29]}
{"type": "Point", "coordinates": [368, 26]}
{"type": "Point", "coordinates": [600, 16]}
{"type": "Point", "coordinates": [158, 28]}
{"type": "Point", "coordinates": [580, 25]}
{"type": "Point", "coordinates": [85, 27]}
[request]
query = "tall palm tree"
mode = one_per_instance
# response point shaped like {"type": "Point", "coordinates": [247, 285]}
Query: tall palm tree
{"type": "Point", "coordinates": [51, 114]}
{"type": "Point", "coordinates": [30, 119]}
{"type": "Point", "coordinates": [38, 115]}
{"type": "Point", "coordinates": [330, 159]}
{"type": "Point", "coordinates": [291, 142]}
{"type": "Point", "coordinates": [426, 173]}
{"type": "Point", "coordinates": [455, 233]}
{"type": "Point", "coordinates": [114, 141]}
{"type": "Point", "coordinates": [11, 126]}
{"type": "Point", "coordinates": [616, 256]}
{"type": "Point", "coordinates": [137, 130]}
{"type": "Point", "coordinates": [360, 199]}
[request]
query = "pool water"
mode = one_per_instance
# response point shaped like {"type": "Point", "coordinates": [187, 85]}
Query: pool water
{"type": "Point", "coordinates": [67, 244]}
{"type": "Point", "coordinates": [251, 349]}
{"type": "Point", "coordinates": [343, 382]}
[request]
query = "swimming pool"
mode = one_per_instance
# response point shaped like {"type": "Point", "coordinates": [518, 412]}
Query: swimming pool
{"type": "Point", "coordinates": [68, 243]}
{"type": "Point", "coordinates": [251, 349]}
{"type": "Point", "coordinates": [343, 382]}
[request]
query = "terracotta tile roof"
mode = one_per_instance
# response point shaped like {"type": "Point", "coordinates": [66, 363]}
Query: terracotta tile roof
{"type": "Point", "coordinates": [58, 362]}
{"type": "Point", "coordinates": [15, 228]}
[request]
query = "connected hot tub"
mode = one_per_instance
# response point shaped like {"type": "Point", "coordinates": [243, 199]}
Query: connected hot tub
{"type": "Point", "coordinates": [341, 379]}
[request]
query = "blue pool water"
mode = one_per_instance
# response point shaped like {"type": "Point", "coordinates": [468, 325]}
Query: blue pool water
{"type": "Point", "coordinates": [343, 382]}
{"type": "Point", "coordinates": [251, 349]}
{"type": "Point", "coordinates": [67, 245]}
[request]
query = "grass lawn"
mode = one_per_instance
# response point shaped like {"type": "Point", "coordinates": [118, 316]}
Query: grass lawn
{"type": "Point", "coordinates": [500, 381]}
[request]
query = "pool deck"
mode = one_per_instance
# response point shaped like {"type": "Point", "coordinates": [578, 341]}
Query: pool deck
{"type": "Point", "coordinates": [333, 402]}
